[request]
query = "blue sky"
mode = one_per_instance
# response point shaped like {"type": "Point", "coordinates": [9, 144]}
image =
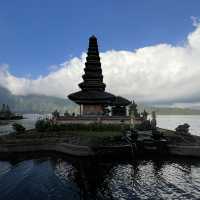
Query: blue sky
{"type": "Point", "coordinates": [36, 34]}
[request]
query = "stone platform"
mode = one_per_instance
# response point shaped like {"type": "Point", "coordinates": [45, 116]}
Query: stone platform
{"type": "Point", "coordinates": [98, 119]}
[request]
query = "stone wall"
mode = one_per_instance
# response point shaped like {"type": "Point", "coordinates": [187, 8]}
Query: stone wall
{"type": "Point", "coordinates": [100, 119]}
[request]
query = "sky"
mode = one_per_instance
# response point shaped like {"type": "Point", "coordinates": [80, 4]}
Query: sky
{"type": "Point", "coordinates": [150, 49]}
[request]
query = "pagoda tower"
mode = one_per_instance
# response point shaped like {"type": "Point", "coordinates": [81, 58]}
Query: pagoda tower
{"type": "Point", "coordinates": [92, 98]}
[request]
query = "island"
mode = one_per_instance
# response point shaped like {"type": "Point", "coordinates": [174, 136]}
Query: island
{"type": "Point", "coordinates": [106, 125]}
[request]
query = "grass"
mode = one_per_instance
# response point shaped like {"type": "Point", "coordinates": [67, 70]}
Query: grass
{"type": "Point", "coordinates": [90, 138]}
{"type": "Point", "coordinates": [45, 125]}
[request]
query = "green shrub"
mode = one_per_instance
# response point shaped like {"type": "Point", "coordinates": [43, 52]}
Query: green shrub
{"type": "Point", "coordinates": [49, 125]}
{"type": "Point", "coordinates": [42, 125]}
{"type": "Point", "coordinates": [18, 128]}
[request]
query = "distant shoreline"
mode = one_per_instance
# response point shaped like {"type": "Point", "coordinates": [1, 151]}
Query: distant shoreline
{"type": "Point", "coordinates": [35, 113]}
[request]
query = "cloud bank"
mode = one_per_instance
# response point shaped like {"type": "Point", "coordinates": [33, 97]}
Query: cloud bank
{"type": "Point", "coordinates": [158, 74]}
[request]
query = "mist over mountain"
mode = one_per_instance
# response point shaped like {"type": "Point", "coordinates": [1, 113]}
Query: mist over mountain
{"type": "Point", "coordinates": [47, 104]}
{"type": "Point", "coordinates": [169, 110]}
{"type": "Point", "coordinates": [35, 103]}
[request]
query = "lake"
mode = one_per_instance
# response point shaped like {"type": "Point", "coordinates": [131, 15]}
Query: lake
{"type": "Point", "coordinates": [171, 122]}
{"type": "Point", "coordinates": [28, 122]}
{"type": "Point", "coordinates": [59, 178]}
{"type": "Point", "coordinates": [55, 177]}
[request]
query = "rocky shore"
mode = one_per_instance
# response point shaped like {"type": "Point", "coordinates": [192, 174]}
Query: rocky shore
{"type": "Point", "coordinates": [88, 144]}
{"type": "Point", "coordinates": [182, 144]}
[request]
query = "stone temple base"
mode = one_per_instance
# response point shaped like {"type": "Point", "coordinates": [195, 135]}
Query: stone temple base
{"type": "Point", "coordinates": [97, 119]}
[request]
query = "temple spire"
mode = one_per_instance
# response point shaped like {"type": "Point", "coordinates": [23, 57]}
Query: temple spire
{"type": "Point", "coordinates": [93, 78]}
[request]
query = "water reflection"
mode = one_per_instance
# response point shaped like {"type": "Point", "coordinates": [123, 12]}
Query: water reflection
{"type": "Point", "coordinates": [58, 178]}
{"type": "Point", "coordinates": [36, 179]}
{"type": "Point", "coordinates": [153, 180]}
{"type": "Point", "coordinates": [89, 176]}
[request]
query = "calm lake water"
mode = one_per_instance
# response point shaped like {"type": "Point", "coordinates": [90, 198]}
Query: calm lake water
{"type": "Point", "coordinates": [28, 122]}
{"type": "Point", "coordinates": [171, 122]}
{"type": "Point", "coordinates": [55, 177]}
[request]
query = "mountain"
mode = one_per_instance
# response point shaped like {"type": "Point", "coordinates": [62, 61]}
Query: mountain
{"type": "Point", "coordinates": [47, 104]}
{"type": "Point", "coordinates": [5, 96]}
{"type": "Point", "coordinates": [169, 110]}
{"type": "Point", "coordinates": [35, 103]}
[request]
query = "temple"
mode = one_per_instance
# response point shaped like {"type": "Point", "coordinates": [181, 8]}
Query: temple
{"type": "Point", "coordinates": [92, 98]}
{"type": "Point", "coordinates": [6, 114]}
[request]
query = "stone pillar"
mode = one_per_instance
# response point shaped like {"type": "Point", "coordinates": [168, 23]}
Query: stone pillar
{"type": "Point", "coordinates": [127, 111]}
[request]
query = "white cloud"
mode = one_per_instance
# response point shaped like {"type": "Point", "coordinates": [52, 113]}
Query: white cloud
{"type": "Point", "coordinates": [57, 83]}
{"type": "Point", "coordinates": [161, 73]}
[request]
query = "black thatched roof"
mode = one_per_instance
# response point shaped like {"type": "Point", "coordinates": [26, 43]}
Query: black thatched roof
{"type": "Point", "coordinates": [92, 97]}
{"type": "Point", "coordinates": [120, 101]}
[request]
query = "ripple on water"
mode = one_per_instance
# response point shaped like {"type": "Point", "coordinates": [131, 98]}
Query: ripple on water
{"type": "Point", "coordinates": [153, 180]}
{"type": "Point", "coordinates": [35, 179]}
{"type": "Point", "coordinates": [58, 179]}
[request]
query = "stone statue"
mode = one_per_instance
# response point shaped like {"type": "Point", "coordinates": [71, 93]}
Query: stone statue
{"type": "Point", "coordinates": [56, 114]}
{"type": "Point", "coordinates": [183, 129]}
{"type": "Point", "coordinates": [144, 115]}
